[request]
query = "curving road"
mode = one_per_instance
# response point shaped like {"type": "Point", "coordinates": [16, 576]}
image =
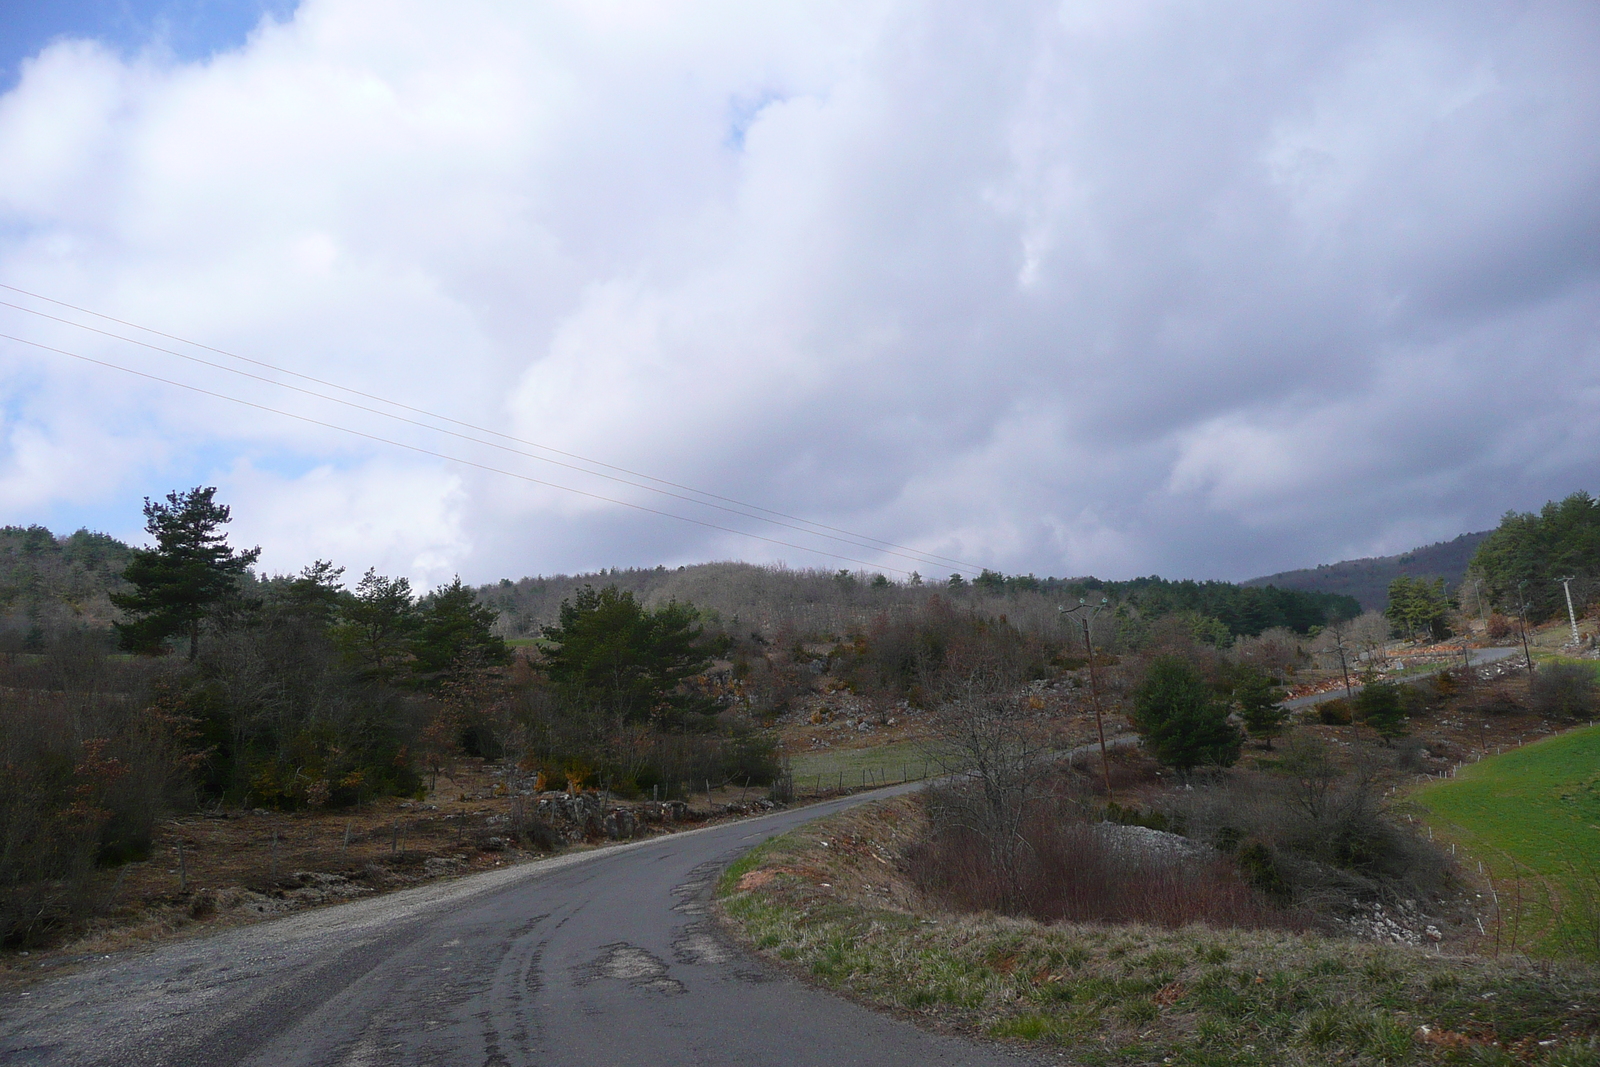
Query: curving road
{"type": "Point", "coordinates": [601, 958]}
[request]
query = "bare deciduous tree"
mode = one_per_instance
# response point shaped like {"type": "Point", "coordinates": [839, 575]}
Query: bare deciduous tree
{"type": "Point", "coordinates": [994, 736]}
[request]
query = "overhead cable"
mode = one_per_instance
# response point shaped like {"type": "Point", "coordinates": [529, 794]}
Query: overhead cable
{"type": "Point", "coordinates": [910, 554]}
{"type": "Point", "coordinates": [846, 536]}
{"type": "Point", "coordinates": [444, 456]}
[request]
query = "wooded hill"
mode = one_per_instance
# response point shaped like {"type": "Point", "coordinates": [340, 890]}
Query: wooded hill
{"type": "Point", "coordinates": [48, 582]}
{"type": "Point", "coordinates": [1530, 553]}
{"type": "Point", "coordinates": [745, 598]}
{"type": "Point", "coordinates": [1367, 580]}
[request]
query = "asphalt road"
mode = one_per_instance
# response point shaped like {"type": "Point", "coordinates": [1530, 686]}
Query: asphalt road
{"type": "Point", "coordinates": [602, 958]}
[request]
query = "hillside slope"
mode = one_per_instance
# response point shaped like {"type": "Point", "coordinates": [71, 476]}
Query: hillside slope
{"type": "Point", "coordinates": [48, 583]}
{"type": "Point", "coordinates": [1368, 579]}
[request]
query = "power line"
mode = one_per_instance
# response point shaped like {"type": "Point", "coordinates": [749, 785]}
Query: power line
{"type": "Point", "coordinates": [441, 455]}
{"type": "Point", "coordinates": [910, 554]}
{"type": "Point", "coordinates": [849, 536]}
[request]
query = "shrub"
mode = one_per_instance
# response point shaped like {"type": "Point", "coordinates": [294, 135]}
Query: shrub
{"type": "Point", "coordinates": [1500, 627]}
{"type": "Point", "coordinates": [1334, 712]}
{"type": "Point", "coordinates": [1564, 691]}
{"type": "Point", "coordinates": [1079, 871]}
{"type": "Point", "coordinates": [1324, 829]}
{"type": "Point", "coordinates": [1381, 706]}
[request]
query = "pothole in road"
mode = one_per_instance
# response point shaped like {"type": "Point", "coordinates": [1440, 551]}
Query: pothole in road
{"type": "Point", "coordinates": [697, 944]}
{"type": "Point", "coordinates": [694, 895]}
{"type": "Point", "coordinates": [632, 964]}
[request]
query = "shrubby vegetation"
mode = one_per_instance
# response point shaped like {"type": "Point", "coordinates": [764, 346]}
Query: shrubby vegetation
{"type": "Point", "coordinates": [219, 686]}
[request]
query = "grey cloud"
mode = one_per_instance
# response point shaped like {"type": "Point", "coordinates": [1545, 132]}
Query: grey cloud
{"type": "Point", "coordinates": [1120, 288]}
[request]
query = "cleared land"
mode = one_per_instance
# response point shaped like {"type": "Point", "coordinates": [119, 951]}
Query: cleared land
{"type": "Point", "coordinates": [829, 900]}
{"type": "Point", "coordinates": [854, 768]}
{"type": "Point", "coordinates": [1532, 815]}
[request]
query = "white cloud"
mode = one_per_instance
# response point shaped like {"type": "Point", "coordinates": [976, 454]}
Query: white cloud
{"type": "Point", "coordinates": [1061, 288]}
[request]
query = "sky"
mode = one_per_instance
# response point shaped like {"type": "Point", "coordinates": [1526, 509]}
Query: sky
{"type": "Point", "coordinates": [1120, 288]}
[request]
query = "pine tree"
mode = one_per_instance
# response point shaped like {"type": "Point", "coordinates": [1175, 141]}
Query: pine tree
{"type": "Point", "coordinates": [1180, 721]}
{"type": "Point", "coordinates": [453, 627]}
{"type": "Point", "coordinates": [1260, 705]}
{"type": "Point", "coordinates": [377, 625]}
{"type": "Point", "coordinates": [179, 582]}
{"type": "Point", "coordinates": [613, 654]}
{"type": "Point", "coordinates": [1379, 706]}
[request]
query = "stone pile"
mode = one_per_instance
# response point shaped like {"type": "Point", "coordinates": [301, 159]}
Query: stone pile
{"type": "Point", "coordinates": [587, 816]}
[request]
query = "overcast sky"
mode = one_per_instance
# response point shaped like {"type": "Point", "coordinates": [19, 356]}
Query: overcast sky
{"type": "Point", "coordinates": [1116, 288]}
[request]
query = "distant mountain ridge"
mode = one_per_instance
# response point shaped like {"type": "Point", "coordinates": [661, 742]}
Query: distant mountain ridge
{"type": "Point", "coordinates": [1368, 579]}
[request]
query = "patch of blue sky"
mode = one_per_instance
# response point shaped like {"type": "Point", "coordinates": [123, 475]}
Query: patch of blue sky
{"type": "Point", "coordinates": [121, 518]}
{"type": "Point", "coordinates": [198, 464]}
{"type": "Point", "coordinates": [185, 29]}
{"type": "Point", "coordinates": [20, 383]}
{"type": "Point", "coordinates": [743, 112]}
{"type": "Point", "coordinates": [293, 464]}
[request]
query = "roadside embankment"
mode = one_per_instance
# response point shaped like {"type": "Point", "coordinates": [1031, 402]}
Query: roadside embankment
{"type": "Point", "coordinates": [833, 901]}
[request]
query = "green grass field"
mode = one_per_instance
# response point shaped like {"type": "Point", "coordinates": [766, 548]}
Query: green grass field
{"type": "Point", "coordinates": [856, 767]}
{"type": "Point", "coordinates": [1531, 815]}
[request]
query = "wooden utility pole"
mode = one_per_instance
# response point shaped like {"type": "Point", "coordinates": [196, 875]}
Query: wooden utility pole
{"type": "Point", "coordinates": [1094, 683]}
{"type": "Point", "coordinates": [1522, 618]}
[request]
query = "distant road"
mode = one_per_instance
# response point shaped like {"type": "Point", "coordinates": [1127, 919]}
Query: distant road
{"type": "Point", "coordinates": [1476, 656]}
{"type": "Point", "coordinates": [600, 959]}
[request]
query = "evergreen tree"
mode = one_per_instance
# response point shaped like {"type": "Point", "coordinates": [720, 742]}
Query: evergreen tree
{"type": "Point", "coordinates": [1180, 721]}
{"type": "Point", "coordinates": [1380, 707]}
{"type": "Point", "coordinates": [1532, 550]}
{"type": "Point", "coordinates": [612, 654]}
{"type": "Point", "coordinates": [1417, 607]}
{"type": "Point", "coordinates": [452, 627]}
{"type": "Point", "coordinates": [180, 581]}
{"type": "Point", "coordinates": [1260, 705]}
{"type": "Point", "coordinates": [377, 624]}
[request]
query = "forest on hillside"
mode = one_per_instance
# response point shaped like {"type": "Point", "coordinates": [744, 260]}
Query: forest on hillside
{"type": "Point", "coordinates": [1368, 579]}
{"type": "Point", "coordinates": [1525, 559]}
{"type": "Point", "coordinates": [743, 598]}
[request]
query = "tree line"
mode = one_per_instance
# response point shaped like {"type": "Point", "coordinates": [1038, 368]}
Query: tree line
{"type": "Point", "coordinates": [218, 685]}
{"type": "Point", "coordinates": [1522, 561]}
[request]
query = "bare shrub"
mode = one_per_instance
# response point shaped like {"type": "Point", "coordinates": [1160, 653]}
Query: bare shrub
{"type": "Point", "coordinates": [1564, 691]}
{"type": "Point", "coordinates": [1074, 870]}
{"type": "Point", "coordinates": [85, 768]}
{"type": "Point", "coordinates": [991, 735]}
{"type": "Point", "coordinates": [1279, 651]}
{"type": "Point", "coordinates": [1326, 829]}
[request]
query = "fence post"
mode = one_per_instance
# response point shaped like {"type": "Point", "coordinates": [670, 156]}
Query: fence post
{"type": "Point", "coordinates": [183, 869]}
{"type": "Point", "coordinates": [274, 854]}
{"type": "Point", "coordinates": [347, 835]}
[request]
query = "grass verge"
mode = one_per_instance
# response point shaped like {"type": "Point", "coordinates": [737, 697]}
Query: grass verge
{"type": "Point", "coordinates": [829, 901]}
